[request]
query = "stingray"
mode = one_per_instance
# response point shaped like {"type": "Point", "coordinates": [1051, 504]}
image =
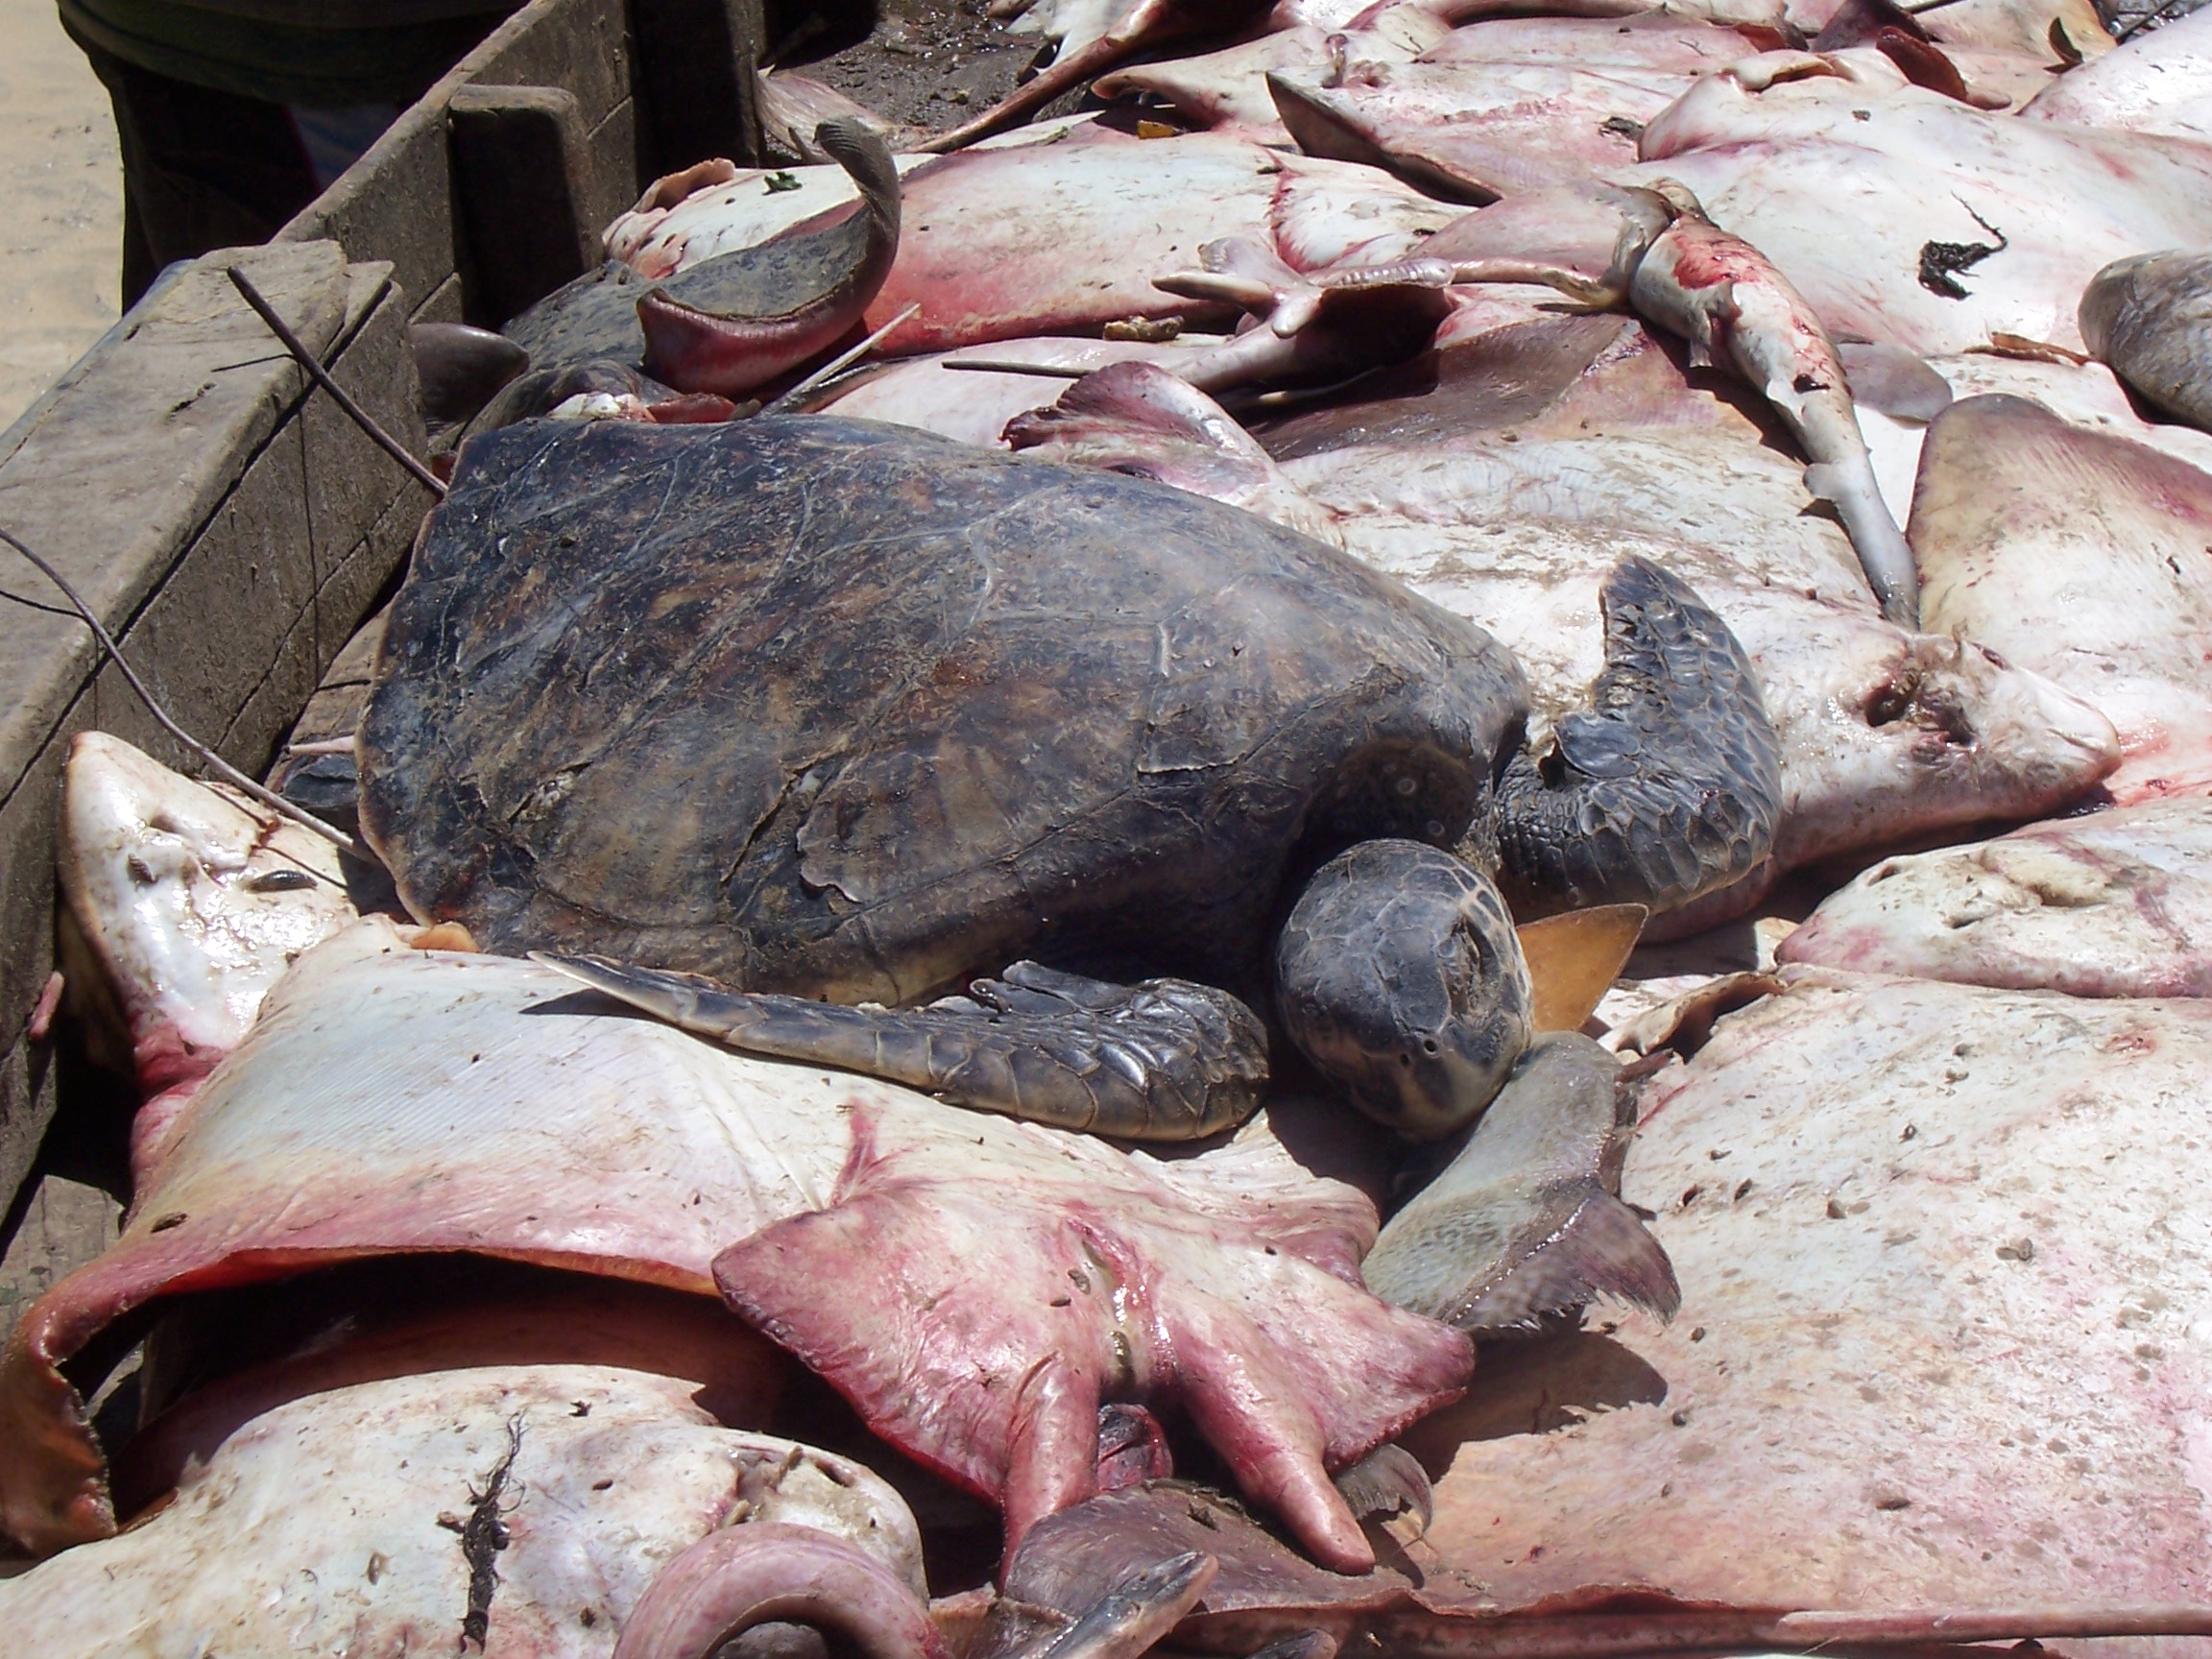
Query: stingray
{"type": "Point", "coordinates": [1261, 1599]}
{"type": "Point", "coordinates": [1937, 1359]}
{"type": "Point", "coordinates": [2114, 905]}
{"type": "Point", "coordinates": [510, 1475]}
{"type": "Point", "coordinates": [1498, 108]}
{"type": "Point", "coordinates": [2019, 215]}
{"type": "Point", "coordinates": [2159, 82]}
{"type": "Point", "coordinates": [1473, 131]}
{"type": "Point", "coordinates": [1920, 1228]}
{"type": "Point", "coordinates": [621, 1147]}
{"type": "Point", "coordinates": [2081, 556]}
{"type": "Point", "coordinates": [1066, 236]}
{"type": "Point", "coordinates": [2081, 394]}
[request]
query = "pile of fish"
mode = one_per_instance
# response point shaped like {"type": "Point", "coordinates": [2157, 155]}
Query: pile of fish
{"type": "Point", "coordinates": [1407, 849]}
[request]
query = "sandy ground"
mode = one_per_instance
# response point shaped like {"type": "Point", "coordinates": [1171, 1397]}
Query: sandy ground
{"type": "Point", "coordinates": [61, 205]}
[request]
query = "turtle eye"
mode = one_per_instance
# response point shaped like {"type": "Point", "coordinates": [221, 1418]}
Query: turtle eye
{"type": "Point", "coordinates": [279, 881]}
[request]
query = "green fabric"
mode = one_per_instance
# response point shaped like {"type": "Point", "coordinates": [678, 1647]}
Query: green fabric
{"type": "Point", "coordinates": [343, 57]}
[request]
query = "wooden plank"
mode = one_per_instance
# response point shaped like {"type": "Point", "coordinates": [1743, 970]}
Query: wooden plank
{"type": "Point", "coordinates": [518, 193]}
{"type": "Point", "coordinates": [397, 203]}
{"type": "Point", "coordinates": [221, 526]}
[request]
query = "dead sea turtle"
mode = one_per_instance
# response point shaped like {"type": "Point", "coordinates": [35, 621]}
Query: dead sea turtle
{"type": "Point", "coordinates": [837, 710]}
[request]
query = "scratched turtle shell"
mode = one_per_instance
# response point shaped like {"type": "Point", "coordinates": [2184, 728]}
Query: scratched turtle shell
{"type": "Point", "coordinates": [840, 708]}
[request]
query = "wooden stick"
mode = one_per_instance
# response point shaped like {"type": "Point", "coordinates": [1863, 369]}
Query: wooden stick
{"type": "Point", "coordinates": [839, 364]}
{"type": "Point", "coordinates": [997, 365]}
{"type": "Point", "coordinates": [321, 375]}
{"type": "Point", "coordinates": [230, 774]}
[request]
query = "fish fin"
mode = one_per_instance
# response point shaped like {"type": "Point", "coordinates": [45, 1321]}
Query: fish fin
{"type": "Point", "coordinates": [1573, 959]}
{"type": "Point", "coordinates": [1240, 257]}
{"type": "Point", "coordinates": [1389, 1480]}
{"type": "Point", "coordinates": [1700, 354]}
{"type": "Point", "coordinates": [1603, 1250]}
{"type": "Point", "coordinates": [1825, 482]}
{"type": "Point", "coordinates": [1898, 383]}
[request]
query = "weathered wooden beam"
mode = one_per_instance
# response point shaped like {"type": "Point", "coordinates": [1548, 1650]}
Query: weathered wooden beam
{"type": "Point", "coordinates": [521, 179]}
{"type": "Point", "coordinates": [228, 528]}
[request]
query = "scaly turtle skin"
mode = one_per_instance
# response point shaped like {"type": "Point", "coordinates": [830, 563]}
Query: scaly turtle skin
{"type": "Point", "coordinates": [1619, 809]}
{"type": "Point", "coordinates": [1399, 975]}
{"type": "Point", "coordinates": [847, 713]}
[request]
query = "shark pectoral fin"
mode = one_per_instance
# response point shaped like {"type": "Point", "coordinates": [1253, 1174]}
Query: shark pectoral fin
{"type": "Point", "coordinates": [1575, 957]}
{"type": "Point", "coordinates": [736, 322]}
{"type": "Point", "coordinates": [1138, 1611]}
{"type": "Point", "coordinates": [1899, 383]}
{"type": "Point", "coordinates": [1603, 1250]}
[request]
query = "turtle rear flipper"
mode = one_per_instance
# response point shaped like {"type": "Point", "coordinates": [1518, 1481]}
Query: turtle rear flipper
{"type": "Point", "coordinates": [1163, 1060]}
{"type": "Point", "coordinates": [1668, 787]}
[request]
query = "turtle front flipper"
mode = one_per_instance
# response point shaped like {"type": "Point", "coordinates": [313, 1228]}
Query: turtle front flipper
{"type": "Point", "coordinates": [1527, 1221]}
{"type": "Point", "coordinates": [1162, 1060]}
{"type": "Point", "coordinates": [1666, 786]}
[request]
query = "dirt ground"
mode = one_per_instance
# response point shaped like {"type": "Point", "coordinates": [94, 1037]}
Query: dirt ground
{"type": "Point", "coordinates": [61, 205]}
{"type": "Point", "coordinates": [928, 63]}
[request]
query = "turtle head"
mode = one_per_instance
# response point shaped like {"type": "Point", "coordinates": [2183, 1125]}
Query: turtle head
{"type": "Point", "coordinates": [1399, 975]}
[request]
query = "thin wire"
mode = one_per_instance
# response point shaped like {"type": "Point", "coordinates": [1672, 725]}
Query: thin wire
{"type": "Point", "coordinates": [230, 774]}
{"type": "Point", "coordinates": [321, 375]}
{"type": "Point", "coordinates": [839, 364]}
